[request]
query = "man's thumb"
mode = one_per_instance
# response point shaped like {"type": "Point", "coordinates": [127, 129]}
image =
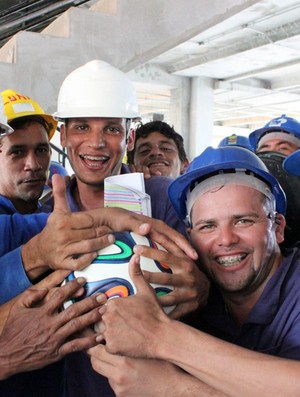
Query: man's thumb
{"type": "Point", "coordinates": [59, 194]}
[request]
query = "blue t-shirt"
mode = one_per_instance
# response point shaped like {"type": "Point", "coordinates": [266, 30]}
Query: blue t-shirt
{"type": "Point", "coordinates": [81, 379]}
{"type": "Point", "coordinates": [273, 324]}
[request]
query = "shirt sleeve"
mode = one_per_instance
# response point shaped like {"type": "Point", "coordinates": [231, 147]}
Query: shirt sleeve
{"type": "Point", "coordinates": [16, 230]}
{"type": "Point", "coordinates": [13, 278]}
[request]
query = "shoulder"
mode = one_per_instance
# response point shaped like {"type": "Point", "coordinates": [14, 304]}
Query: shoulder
{"type": "Point", "coordinates": [157, 183]}
{"type": "Point", "coordinates": [6, 206]}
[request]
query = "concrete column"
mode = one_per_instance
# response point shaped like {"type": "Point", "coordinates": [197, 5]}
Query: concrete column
{"type": "Point", "coordinates": [201, 115]}
{"type": "Point", "coordinates": [180, 109]}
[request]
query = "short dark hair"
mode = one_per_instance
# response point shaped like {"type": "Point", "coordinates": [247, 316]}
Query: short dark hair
{"type": "Point", "coordinates": [163, 128]}
{"type": "Point", "coordinates": [20, 122]}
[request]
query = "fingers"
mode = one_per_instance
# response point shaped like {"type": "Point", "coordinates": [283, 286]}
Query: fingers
{"type": "Point", "coordinates": [77, 318]}
{"type": "Point", "coordinates": [31, 297]}
{"type": "Point", "coordinates": [171, 240]}
{"type": "Point", "coordinates": [78, 344]}
{"type": "Point", "coordinates": [53, 280]}
{"type": "Point", "coordinates": [64, 293]}
{"type": "Point", "coordinates": [59, 194]}
{"type": "Point", "coordinates": [137, 277]}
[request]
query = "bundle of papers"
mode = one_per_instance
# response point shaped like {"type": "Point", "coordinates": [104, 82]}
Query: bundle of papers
{"type": "Point", "coordinates": [127, 191]}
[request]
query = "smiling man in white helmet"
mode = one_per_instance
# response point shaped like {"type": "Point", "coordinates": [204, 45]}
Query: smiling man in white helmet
{"type": "Point", "coordinates": [96, 104]}
{"type": "Point", "coordinates": [36, 332]}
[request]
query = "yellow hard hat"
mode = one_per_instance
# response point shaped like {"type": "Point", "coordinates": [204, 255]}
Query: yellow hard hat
{"type": "Point", "coordinates": [17, 105]}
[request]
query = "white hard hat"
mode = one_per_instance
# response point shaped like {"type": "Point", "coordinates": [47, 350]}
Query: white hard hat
{"type": "Point", "coordinates": [4, 127]}
{"type": "Point", "coordinates": [96, 89]}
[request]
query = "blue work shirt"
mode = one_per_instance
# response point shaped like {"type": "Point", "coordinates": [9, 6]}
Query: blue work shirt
{"type": "Point", "coordinates": [273, 324]}
{"type": "Point", "coordinates": [15, 230]}
{"type": "Point", "coordinates": [18, 229]}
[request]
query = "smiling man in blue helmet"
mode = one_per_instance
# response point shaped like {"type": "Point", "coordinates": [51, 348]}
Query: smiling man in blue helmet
{"type": "Point", "coordinates": [234, 212]}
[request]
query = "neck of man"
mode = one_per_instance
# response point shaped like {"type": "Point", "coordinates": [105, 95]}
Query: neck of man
{"type": "Point", "coordinates": [25, 207]}
{"type": "Point", "coordinates": [89, 197]}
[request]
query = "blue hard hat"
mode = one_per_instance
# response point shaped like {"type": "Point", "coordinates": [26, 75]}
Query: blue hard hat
{"type": "Point", "coordinates": [224, 158]}
{"type": "Point", "coordinates": [282, 123]}
{"type": "Point", "coordinates": [236, 140]}
{"type": "Point", "coordinates": [292, 163]}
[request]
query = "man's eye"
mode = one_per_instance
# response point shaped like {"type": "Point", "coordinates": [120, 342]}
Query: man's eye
{"type": "Point", "coordinates": [17, 152]}
{"type": "Point", "coordinates": [245, 221]}
{"type": "Point", "coordinates": [167, 149]}
{"type": "Point", "coordinates": [204, 228]}
{"type": "Point", "coordinates": [283, 148]}
{"type": "Point", "coordinates": [81, 127]}
{"type": "Point", "coordinates": [144, 152]}
{"type": "Point", "coordinates": [43, 150]}
{"type": "Point", "coordinates": [112, 130]}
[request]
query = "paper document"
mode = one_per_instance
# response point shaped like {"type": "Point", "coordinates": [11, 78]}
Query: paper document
{"type": "Point", "coordinates": [127, 191]}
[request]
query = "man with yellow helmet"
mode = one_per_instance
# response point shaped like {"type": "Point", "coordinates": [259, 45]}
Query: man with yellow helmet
{"type": "Point", "coordinates": [24, 154]}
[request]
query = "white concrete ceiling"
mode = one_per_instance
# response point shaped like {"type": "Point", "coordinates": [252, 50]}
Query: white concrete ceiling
{"type": "Point", "coordinates": [253, 59]}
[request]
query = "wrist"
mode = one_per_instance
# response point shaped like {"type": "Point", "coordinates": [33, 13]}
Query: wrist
{"type": "Point", "coordinates": [33, 264]}
{"type": "Point", "coordinates": [5, 370]}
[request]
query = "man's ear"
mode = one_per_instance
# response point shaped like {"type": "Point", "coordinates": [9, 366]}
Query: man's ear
{"type": "Point", "coordinates": [184, 166]}
{"type": "Point", "coordinates": [280, 223]}
{"type": "Point", "coordinates": [130, 139]}
{"type": "Point", "coordinates": [63, 135]}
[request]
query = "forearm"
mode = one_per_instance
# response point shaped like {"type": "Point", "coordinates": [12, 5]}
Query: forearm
{"type": "Point", "coordinates": [228, 368]}
{"type": "Point", "coordinates": [187, 385]}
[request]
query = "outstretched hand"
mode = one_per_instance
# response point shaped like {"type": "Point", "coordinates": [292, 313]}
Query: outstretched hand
{"type": "Point", "coordinates": [37, 333]}
{"type": "Point", "coordinates": [69, 240]}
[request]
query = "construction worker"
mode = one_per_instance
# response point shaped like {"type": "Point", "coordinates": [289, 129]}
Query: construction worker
{"type": "Point", "coordinates": [279, 138]}
{"type": "Point", "coordinates": [281, 134]}
{"type": "Point", "coordinates": [25, 154]}
{"type": "Point", "coordinates": [159, 150]}
{"type": "Point", "coordinates": [30, 247]}
{"type": "Point", "coordinates": [234, 212]}
{"type": "Point", "coordinates": [96, 105]}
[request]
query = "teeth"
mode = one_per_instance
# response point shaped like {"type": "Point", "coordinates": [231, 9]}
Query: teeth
{"type": "Point", "coordinates": [157, 164]}
{"type": "Point", "coordinates": [95, 158]}
{"type": "Point", "coordinates": [230, 260]}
